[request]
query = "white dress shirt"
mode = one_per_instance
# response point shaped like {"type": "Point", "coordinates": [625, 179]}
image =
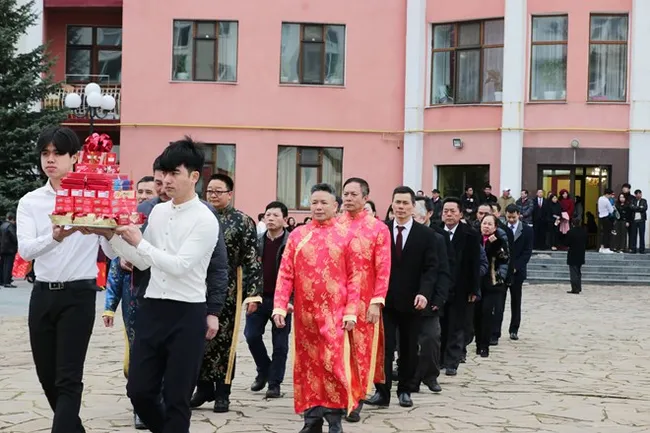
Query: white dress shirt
{"type": "Point", "coordinates": [177, 245]}
{"type": "Point", "coordinates": [514, 227]}
{"type": "Point", "coordinates": [405, 231]}
{"type": "Point", "coordinates": [605, 207]}
{"type": "Point", "coordinates": [451, 231]}
{"type": "Point", "coordinates": [73, 259]}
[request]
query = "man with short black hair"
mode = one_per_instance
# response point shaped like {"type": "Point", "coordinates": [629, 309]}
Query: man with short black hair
{"type": "Point", "coordinates": [240, 235]}
{"type": "Point", "coordinates": [62, 304]}
{"type": "Point", "coordinates": [374, 272]}
{"type": "Point", "coordinates": [488, 197]}
{"type": "Point", "coordinates": [171, 329]}
{"type": "Point", "coordinates": [465, 244]}
{"type": "Point", "coordinates": [521, 251]}
{"type": "Point", "coordinates": [640, 210]}
{"type": "Point", "coordinates": [605, 221]}
{"type": "Point", "coordinates": [436, 217]}
{"type": "Point", "coordinates": [146, 189]}
{"type": "Point", "coordinates": [526, 207]}
{"type": "Point", "coordinates": [271, 247]}
{"type": "Point", "coordinates": [8, 250]}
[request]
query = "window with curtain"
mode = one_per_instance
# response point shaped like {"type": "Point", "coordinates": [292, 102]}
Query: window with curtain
{"type": "Point", "coordinates": [94, 54]}
{"type": "Point", "coordinates": [219, 159]}
{"type": "Point", "coordinates": [312, 54]}
{"type": "Point", "coordinates": [467, 62]}
{"type": "Point", "coordinates": [608, 58]}
{"type": "Point", "coordinates": [549, 58]}
{"type": "Point", "coordinates": [300, 168]}
{"type": "Point", "coordinates": [205, 51]}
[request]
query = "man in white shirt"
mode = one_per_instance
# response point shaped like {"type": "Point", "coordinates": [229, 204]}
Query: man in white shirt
{"type": "Point", "coordinates": [605, 222]}
{"type": "Point", "coordinates": [62, 304]}
{"type": "Point", "coordinates": [177, 245]}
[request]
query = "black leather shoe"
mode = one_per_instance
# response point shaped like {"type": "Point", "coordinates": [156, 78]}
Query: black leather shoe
{"type": "Point", "coordinates": [204, 393]}
{"type": "Point", "coordinates": [573, 293]}
{"type": "Point", "coordinates": [355, 415]}
{"type": "Point", "coordinates": [433, 385]}
{"type": "Point", "coordinates": [221, 405]}
{"type": "Point", "coordinates": [514, 336]}
{"type": "Point", "coordinates": [450, 371]}
{"type": "Point", "coordinates": [494, 342]}
{"type": "Point", "coordinates": [137, 422]}
{"type": "Point", "coordinates": [10, 286]}
{"type": "Point", "coordinates": [258, 384]}
{"type": "Point", "coordinates": [405, 400]}
{"type": "Point", "coordinates": [378, 400]}
{"type": "Point", "coordinates": [313, 420]}
{"type": "Point", "coordinates": [273, 391]}
{"type": "Point", "coordinates": [484, 353]}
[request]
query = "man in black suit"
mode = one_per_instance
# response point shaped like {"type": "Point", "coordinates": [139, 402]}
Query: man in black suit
{"type": "Point", "coordinates": [412, 288]}
{"type": "Point", "coordinates": [465, 247]}
{"type": "Point", "coordinates": [576, 241]}
{"type": "Point", "coordinates": [428, 368]}
{"type": "Point", "coordinates": [539, 220]}
{"type": "Point", "coordinates": [520, 252]}
{"type": "Point", "coordinates": [637, 228]}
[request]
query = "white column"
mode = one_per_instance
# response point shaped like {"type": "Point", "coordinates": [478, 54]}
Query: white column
{"type": "Point", "coordinates": [639, 175]}
{"type": "Point", "coordinates": [415, 89]}
{"type": "Point", "coordinates": [434, 179]}
{"type": "Point", "coordinates": [514, 85]}
{"type": "Point", "coordinates": [34, 36]}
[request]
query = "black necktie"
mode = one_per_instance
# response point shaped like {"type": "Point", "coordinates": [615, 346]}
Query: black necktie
{"type": "Point", "coordinates": [398, 242]}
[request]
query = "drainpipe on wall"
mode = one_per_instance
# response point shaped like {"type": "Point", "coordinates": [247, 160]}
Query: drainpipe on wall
{"type": "Point", "coordinates": [514, 84]}
{"type": "Point", "coordinates": [414, 95]}
{"type": "Point", "coordinates": [639, 154]}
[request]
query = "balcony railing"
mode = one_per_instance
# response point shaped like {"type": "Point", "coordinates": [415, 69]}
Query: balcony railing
{"type": "Point", "coordinates": [56, 100]}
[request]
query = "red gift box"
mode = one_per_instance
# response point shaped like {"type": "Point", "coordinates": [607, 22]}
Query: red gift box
{"type": "Point", "coordinates": [63, 205]}
{"type": "Point", "coordinates": [111, 158]}
{"type": "Point", "coordinates": [88, 157]}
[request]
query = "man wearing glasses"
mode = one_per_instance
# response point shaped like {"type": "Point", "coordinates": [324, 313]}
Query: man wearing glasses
{"type": "Point", "coordinates": [240, 234]}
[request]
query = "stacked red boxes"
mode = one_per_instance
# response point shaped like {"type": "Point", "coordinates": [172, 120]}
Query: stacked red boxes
{"type": "Point", "coordinates": [95, 194]}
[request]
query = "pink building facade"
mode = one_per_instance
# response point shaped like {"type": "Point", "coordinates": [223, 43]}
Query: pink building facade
{"type": "Point", "coordinates": [519, 94]}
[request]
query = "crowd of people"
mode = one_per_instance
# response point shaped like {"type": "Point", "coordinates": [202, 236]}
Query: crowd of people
{"type": "Point", "coordinates": [354, 289]}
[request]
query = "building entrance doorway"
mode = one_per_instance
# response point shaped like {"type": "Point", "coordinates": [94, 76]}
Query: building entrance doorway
{"type": "Point", "coordinates": [585, 181]}
{"type": "Point", "coordinates": [453, 179]}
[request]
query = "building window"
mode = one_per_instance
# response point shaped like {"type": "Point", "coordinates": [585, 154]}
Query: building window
{"type": "Point", "coordinates": [219, 159]}
{"type": "Point", "coordinates": [312, 54]}
{"type": "Point", "coordinates": [608, 57]}
{"type": "Point", "coordinates": [94, 54]}
{"type": "Point", "coordinates": [300, 168]}
{"type": "Point", "coordinates": [205, 51]}
{"type": "Point", "coordinates": [453, 179]}
{"type": "Point", "coordinates": [467, 63]}
{"type": "Point", "coordinates": [549, 54]}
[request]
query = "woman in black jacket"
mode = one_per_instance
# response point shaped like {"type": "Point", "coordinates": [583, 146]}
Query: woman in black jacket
{"type": "Point", "coordinates": [624, 218]}
{"type": "Point", "coordinates": [553, 219]}
{"type": "Point", "coordinates": [492, 284]}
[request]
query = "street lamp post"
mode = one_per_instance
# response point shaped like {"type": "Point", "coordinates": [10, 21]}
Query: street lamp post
{"type": "Point", "coordinates": [97, 104]}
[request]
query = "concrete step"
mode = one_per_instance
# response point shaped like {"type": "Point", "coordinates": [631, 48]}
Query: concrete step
{"type": "Point", "coordinates": [564, 272]}
{"type": "Point", "coordinates": [590, 267]}
{"type": "Point", "coordinates": [558, 255]}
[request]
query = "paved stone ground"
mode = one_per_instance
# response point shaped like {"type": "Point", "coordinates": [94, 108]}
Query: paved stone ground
{"type": "Point", "coordinates": [582, 365]}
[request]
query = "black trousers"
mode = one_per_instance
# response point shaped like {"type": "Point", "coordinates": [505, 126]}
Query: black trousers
{"type": "Point", "coordinates": [575, 276]}
{"type": "Point", "coordinates": [515, 308]}
{"type": "Point", "coordinates": [60, 325]}
{"type": "Point", "coordinates": [454, 325]}
{"type": "Point", "coordinates": [272, 369]}
{"type": "Point", "coordinates": [7, 268]}
{"type": "Point", "coordinates": [168, 345]}
{"type": "Point", "coordinates": [428, 365]}
{"type": "Point", "coordinates": [637, 230]}
{"type": "Point", "coordinates": [539, 229]}
{"type": "Point", "coordinates": [606, 226]}
{"type": "Point", "coordinates": [469, 327]}
{"type": "Point", "coordinates": [484, 317]}
{"type": "Point", "coordinates": [408, 325]}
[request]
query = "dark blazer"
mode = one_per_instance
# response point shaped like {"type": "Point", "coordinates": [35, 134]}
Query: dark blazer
{"type": "Point", "coordinates": [9, 240]}
{"type": "Point", "coordinates": [522, 249]}
{"type": "Point", "coordinates": [466, 248]}
{"type": "Point", "coordinates": [539, 216]}
{"type": "Point", "coordinates": [417, 271]}
{"type": "Point", "coordinates": [576, 240]}
{"type": "Point", "coordinates": [444, 283]}
{"type": "Point", "coordinates": [640, 206]}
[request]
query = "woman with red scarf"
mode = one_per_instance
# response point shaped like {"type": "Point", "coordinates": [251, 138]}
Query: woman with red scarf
{"type": "Point", "coordinates": [568, 208]}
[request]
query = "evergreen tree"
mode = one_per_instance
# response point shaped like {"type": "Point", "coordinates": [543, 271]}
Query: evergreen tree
{"type": "Point", "coordinates": [25, 81]}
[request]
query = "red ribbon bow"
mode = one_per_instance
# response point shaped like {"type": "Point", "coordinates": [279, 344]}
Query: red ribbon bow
{"type": "Point", "coordinates": [98, 143]}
